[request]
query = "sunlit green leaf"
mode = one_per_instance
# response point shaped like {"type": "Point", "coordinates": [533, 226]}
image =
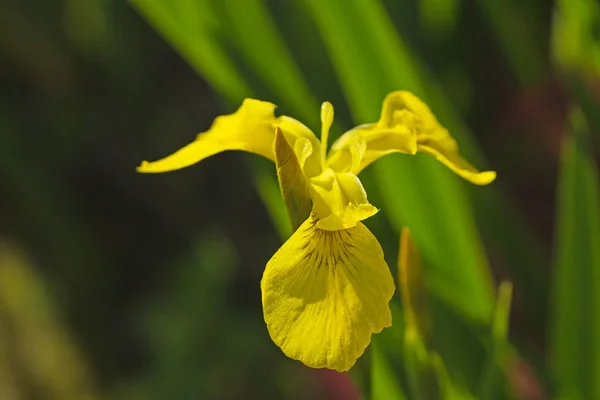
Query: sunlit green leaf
{"type": "Point", "coordinates": [385, 384]}
{"type": "Point", "coordinates": [575, 39]}
{"type": "Point", "coordinates": [575, 326]}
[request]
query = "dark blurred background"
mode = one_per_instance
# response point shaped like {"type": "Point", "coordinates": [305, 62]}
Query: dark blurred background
{"type": "Point", "coordinates": [120, 285]}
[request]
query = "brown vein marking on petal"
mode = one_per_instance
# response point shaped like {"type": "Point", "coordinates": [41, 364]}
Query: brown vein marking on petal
{"type": "Point", "coordinates": [327, 247]}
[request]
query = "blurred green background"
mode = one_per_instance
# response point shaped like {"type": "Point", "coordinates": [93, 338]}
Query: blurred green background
{"type": "Point", "coordinates": [116, 285]}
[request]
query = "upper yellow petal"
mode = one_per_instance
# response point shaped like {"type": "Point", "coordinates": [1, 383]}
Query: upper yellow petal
{"type": "Point", "coordinates": [359, 147]}
{"type": "Point", "coordinates": [452, 159]}
{"type": "Point", "coordinates": [432, 138]}
{"type": "Point", "coordinates": [250, 128]}
{"type": "Point", "coordinates": [324, 293]}
{"type": "Point", "coordinates": [389, 135]}
{"type": "Point", "coordinates": [406, 125]}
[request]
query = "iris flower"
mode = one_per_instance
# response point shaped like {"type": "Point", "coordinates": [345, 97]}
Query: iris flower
{"type": "Point", "coordinates": [327, 289]}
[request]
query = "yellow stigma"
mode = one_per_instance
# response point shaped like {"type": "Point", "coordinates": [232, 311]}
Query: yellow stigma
{"type": "Point", "coordinates": [326, 121]}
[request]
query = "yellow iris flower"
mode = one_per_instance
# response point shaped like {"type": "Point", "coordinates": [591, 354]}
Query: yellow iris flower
{"type": "Point", "coordinates": [327, 289]}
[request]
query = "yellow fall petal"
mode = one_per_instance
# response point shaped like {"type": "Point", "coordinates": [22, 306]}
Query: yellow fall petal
{"type": "Point", "coordinates": [445, 151]}
{"type": "Point", "coordinates": [324, 293]}
{"type": "Point", "coordinates": [251, 128]}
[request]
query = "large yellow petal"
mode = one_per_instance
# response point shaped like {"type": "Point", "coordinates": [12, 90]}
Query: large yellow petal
{"type": "Point", "coordinates": [324, 293]}
{"type": "Point", "coordinates": [251, 128]}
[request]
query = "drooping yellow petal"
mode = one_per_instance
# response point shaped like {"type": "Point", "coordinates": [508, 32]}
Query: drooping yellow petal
{"type": "Point", "coordinates": [324, 293]}
{"type": "Point", "coordinates": [432, 138]}
{"type": "Point", "coordinates": [339, 200]}
{"type": "Point", "coordinates": [251, 128]}
{"type": "Point", "coordinates": [406, 125]}
{"type": "Point", "coordinates": [443, 147]}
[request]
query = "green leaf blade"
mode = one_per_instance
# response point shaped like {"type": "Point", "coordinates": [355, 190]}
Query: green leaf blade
{"type": "Point", "coordinates": [575, 326]}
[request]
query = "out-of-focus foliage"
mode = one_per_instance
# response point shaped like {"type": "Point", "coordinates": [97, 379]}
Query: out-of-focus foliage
{"type": "Point", "coordinates": [499, 356]}
{"type": "Point", "coordinates": [39, 358]}
{"type": "Point", "coordinates": [576, 36]}
{"type": "Point", "coordinates": [575, 329]}
{"type": "Point", "coordinates": [143, 287]}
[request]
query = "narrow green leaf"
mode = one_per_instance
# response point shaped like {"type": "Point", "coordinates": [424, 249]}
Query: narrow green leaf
{"type": "Point", "coordinates": [384, 382]}
{"type": "Point", "coordinates": [422, 379]}
{"type": "Point", "coordinates": [575, 326]}
{"type": "Point", "coordinates": [448, 390]}
{"type": "Point", "coordinates": [502, 312]}
{"type": "Point", "coordinates": [412, 288]}
{"type": "Point", "coordinates": [490, 386]}
{"type": "Point", "coordinates": [415, 364]}
{"type": "Point", "coordinates": [425, 370]}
